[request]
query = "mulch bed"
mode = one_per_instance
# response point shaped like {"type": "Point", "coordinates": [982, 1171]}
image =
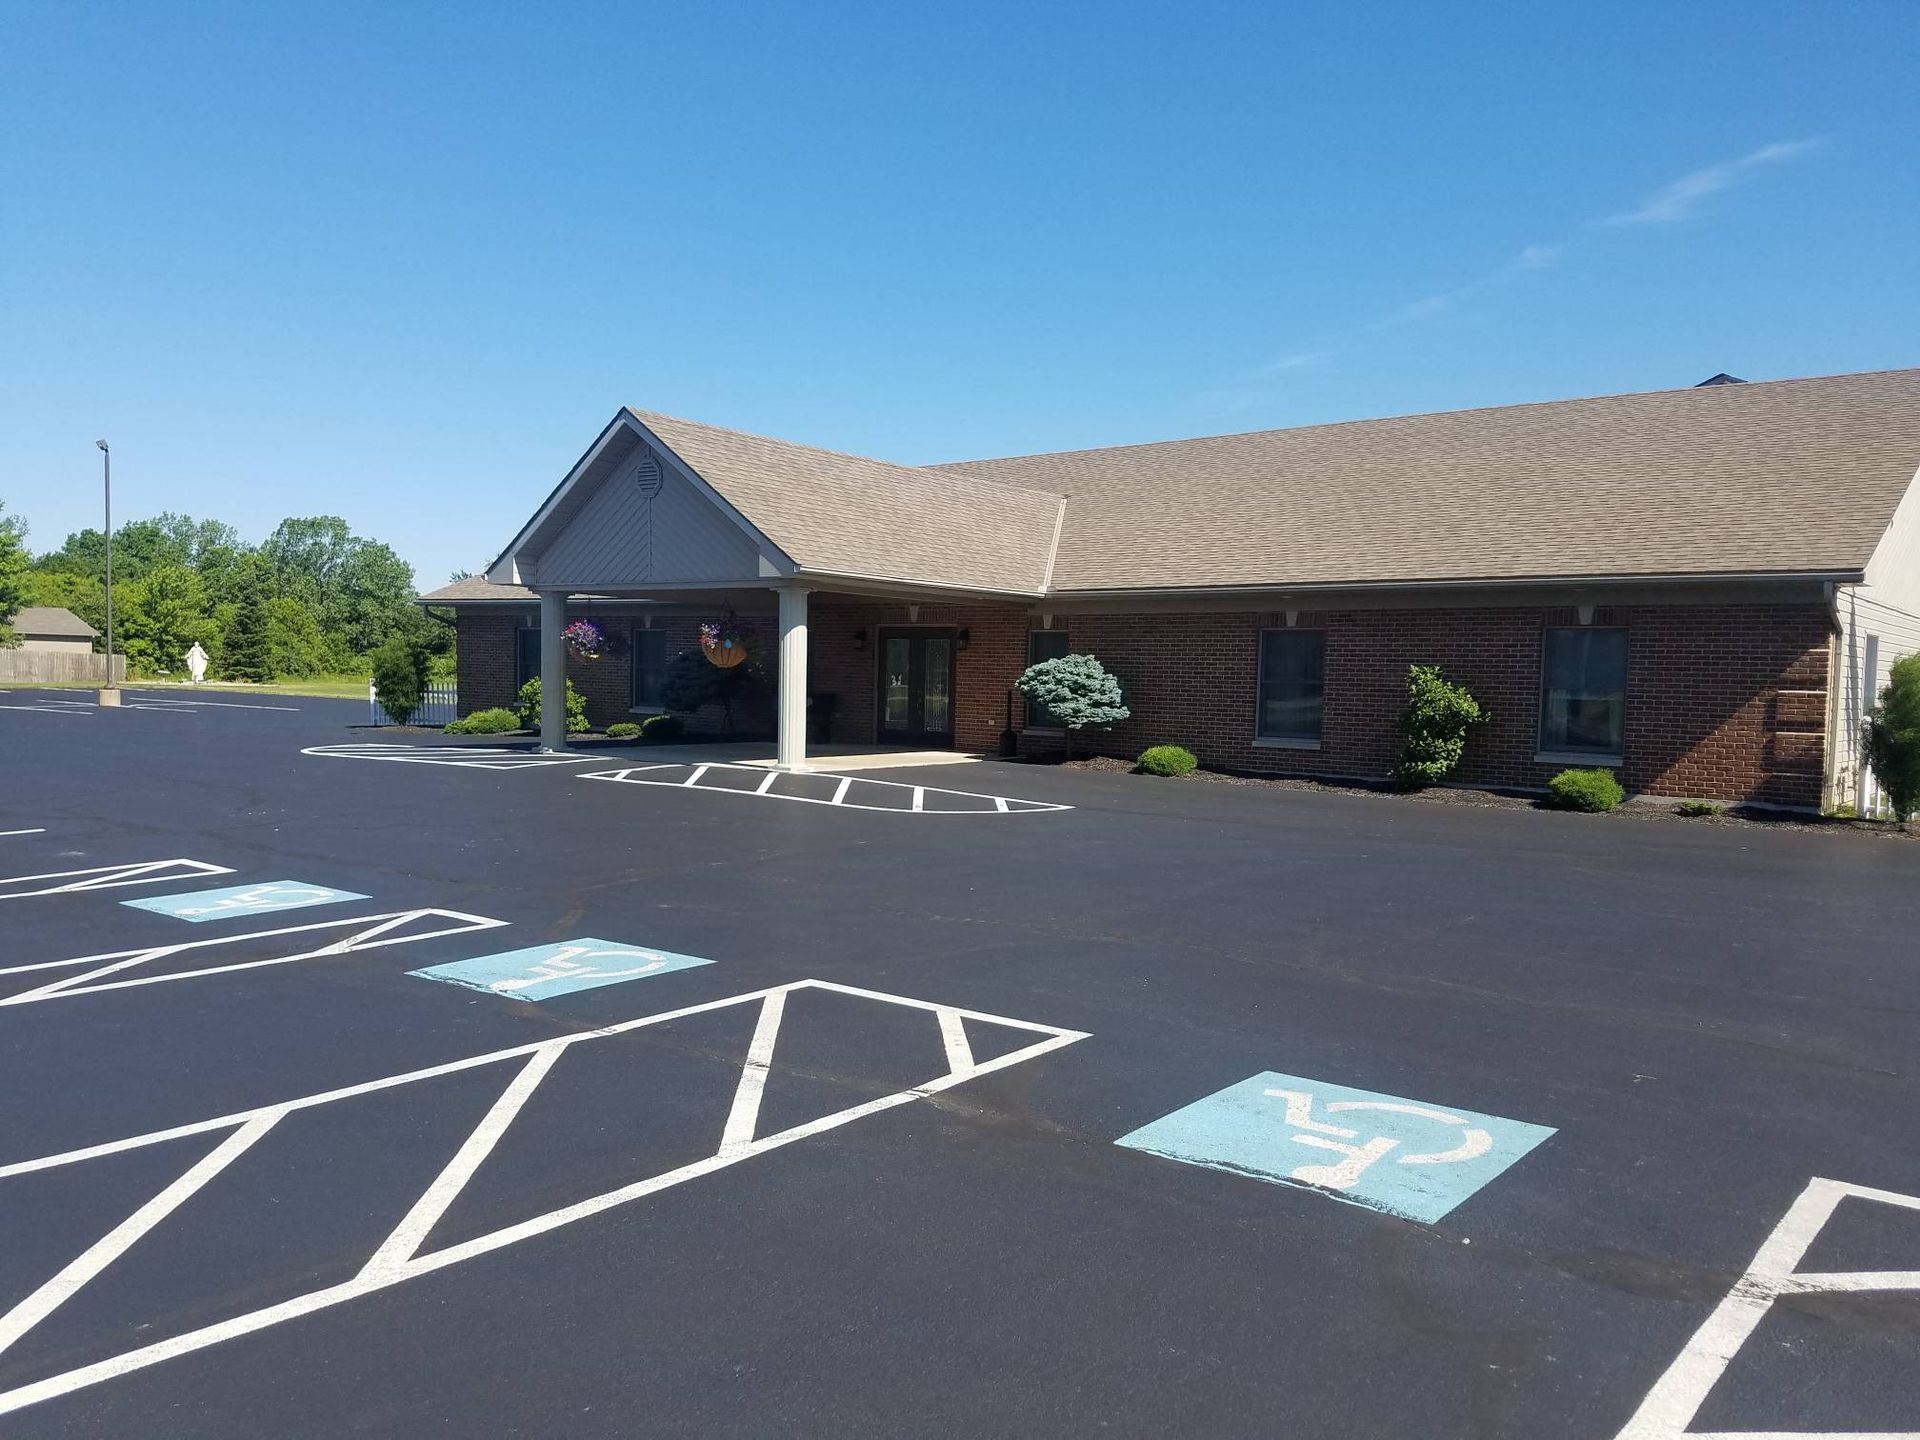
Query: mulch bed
{"type": "Point", "coordinates": [1735, 815]}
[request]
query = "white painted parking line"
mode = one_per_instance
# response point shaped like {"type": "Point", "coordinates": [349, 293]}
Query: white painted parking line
{"type": "Point", "coordinates": [366, 932]}
{"type": "Point", "coordinates": [853, 792]}
{"type": "Point", "coordinates": [1675, 1399]}
{"type": "Point", "coordinates": [473, 757]}
{"type": "Point", "coordinates": [37, 830]}
{"type": "Point", "coordinates": [107, 877]}
{"type": "Point", "coordinates": [174, 703]}
{"type": "Point", "coordinates": [397, 1257]}
{"type": "Point", "coordinates": [46, 709]}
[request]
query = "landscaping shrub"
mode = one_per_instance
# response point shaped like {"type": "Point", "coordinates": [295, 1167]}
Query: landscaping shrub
{"type": "Point", "coordinates": [623, 730]}
{"type": "Point", "coordinates": [485, 722]}
{"type": "Point", "coordinates": [662, 729]}
{"type": "Point", "coordinates": [400, 677]}
{"type": "Point", "coordinates": [1699, 807]}
{"type": "Point", "coordinates": [1438, 716]}
{"type": "Point", "coordinates": [1892, 737]}
{"type": "Point", "coordinates": [1841, 812]}
{"type": "Point", "coordinates": [1166, 760]}
{"type": "Point", "coordinates": [1589, 790]}
{"type": "Point", "coordinates": [1078, 690]}
{"type": "Point", "coordinates": [528, 707]}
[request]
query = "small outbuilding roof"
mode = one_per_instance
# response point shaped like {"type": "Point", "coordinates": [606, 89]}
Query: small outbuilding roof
{"type": "Point", "coordinates": [51, 622]}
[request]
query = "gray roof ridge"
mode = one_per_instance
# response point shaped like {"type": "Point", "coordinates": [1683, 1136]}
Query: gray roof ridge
{"type": "Point", "coordinates": [1689, 389]}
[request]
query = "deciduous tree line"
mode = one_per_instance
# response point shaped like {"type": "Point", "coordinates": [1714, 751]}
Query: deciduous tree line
{"type": "Point", "coordinates": [312, 598]}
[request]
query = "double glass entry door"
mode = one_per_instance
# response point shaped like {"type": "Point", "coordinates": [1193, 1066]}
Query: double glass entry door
{"type": "Point", "coordinates": [916, 688]}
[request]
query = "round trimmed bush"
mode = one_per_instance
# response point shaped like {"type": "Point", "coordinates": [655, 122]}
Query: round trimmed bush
{"type": "Point", "coordinates": [1166, 760]}
{"type": "Point", "coordinates": [662, 729]}
{"type": "Point", "coordinates": [485, 722]}
{"type": "Point", "coordinates": [624, 730]}
{"type": "Point", "coordinates": [1590, 790]}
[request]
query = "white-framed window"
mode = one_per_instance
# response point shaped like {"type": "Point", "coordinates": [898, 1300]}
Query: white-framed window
{"type": "Point", "coordinates": [526, 654]}
{"type": "Point", "coordinates": [1293, 670]}
{"type": "Point", "coordinates": [1583, 692]}
{"type": "Point", "coordinates": [1044, 645]}
{"type": "Point", "coordinates": [649, 669]}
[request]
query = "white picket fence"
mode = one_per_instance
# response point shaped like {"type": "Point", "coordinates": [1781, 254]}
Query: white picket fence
{"type": "Point", "coordinates": [439, 706]}
{"type": "Point", "coordinates": [1874, 804]}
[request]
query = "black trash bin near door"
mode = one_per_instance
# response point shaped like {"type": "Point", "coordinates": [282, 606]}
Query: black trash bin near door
{"type": "Point", "coordinates": [820, 718]}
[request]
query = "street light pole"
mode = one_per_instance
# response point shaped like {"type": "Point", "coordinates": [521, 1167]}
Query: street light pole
{"type": "Point", "coordinates": [109, 693]}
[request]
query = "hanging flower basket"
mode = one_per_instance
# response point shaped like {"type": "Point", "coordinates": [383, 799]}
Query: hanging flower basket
{"type": "Point", "coordinates": [585, 639]}
{"type": "Point", "coordinates": [723, 643]}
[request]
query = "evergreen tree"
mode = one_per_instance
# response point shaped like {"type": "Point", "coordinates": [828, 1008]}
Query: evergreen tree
{"type": "Point", "coordinates": [248, 651]}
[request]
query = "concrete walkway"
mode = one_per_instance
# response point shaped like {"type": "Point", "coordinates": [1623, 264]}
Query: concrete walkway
{"type": "Point", "coordinates": [831, 758]}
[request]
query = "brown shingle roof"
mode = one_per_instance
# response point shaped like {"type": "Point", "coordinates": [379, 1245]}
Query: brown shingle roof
{"type": "Point", "coordinates": [849, 515]}
{"type": "Point", "coordinates": [54, 622]}
{"type": "Point", "coordinates": [477, 587]}
{"type": "Point", "coordinates": [1791, 475]}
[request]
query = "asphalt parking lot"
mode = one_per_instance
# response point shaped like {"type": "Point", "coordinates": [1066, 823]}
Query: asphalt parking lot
{"type": "Point", "coordinates": [1125, 1108]}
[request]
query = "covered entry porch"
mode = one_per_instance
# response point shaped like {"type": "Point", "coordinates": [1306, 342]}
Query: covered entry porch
{"type": "Point", "coordinates": [899, 598]}
{"type": "Point", "coordinates": [832, 673]}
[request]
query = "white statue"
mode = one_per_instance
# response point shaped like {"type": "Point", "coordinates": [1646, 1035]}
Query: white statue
{"type": "Point", "coordinates": [197, 663]}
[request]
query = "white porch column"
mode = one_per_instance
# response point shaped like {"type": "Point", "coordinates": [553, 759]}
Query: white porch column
{"type": "Point", "coordinates": [553, 670]}
{"type": "Point", "coordinates": [791, 751]}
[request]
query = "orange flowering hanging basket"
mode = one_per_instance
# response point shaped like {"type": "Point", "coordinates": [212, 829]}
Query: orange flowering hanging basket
{"type": "Point", "coordinates": [723, 644]}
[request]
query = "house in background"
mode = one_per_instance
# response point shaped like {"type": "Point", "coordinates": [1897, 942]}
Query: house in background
{"type": "Point", "coordinates": [53, 630]}
{"type": "Point", "coordinates": [1699, 589]}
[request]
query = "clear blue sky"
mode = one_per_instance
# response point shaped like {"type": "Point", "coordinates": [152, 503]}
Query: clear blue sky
{"type": "Point", "coordinates": [402, 262]}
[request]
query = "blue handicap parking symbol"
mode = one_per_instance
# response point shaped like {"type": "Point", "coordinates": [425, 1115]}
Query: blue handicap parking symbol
{"type": "Point", "coordinates": [238, 900]}
{"type": "Point", "coordinates": [540, 971]}
{"type": "Point", "coordinates": [1406, 1157]}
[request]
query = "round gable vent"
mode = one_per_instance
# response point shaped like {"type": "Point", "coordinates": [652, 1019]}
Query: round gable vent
{"type": "Point", "coordinates": [648, 476]}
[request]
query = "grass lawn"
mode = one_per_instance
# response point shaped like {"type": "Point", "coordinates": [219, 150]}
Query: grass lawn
{"type": "Point", "coordinates": [338, 687]}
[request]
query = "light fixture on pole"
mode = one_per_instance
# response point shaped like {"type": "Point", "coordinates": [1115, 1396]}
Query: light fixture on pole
{"type": "Point", "coordinates": [109, 692]}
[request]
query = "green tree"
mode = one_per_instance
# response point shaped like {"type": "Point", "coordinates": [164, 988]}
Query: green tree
{"type": "Point", "coordinates": [1892, 737]}
{"type": "Point", "coordinates": [84, 595]}
{"type": "Point", "coordinates": [246, 647]}
{"type": "Point", "coordinates": [294, 642]}
{"type": "Point", "coordinates": [372, 598]}
{"type": "Point", "coordinates": [160, 616]}
{"type": "Point", "coordinates": [1078, 690]}
{"type": "Point", "coordinates": [400, 677]}
{"type": "Point", "coordinates": [305, 556]}
{"type": "Point", "coordinates": [13, 573]}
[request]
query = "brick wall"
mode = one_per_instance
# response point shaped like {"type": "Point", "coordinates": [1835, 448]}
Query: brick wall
{"type": "Point", "coordinates": [1724, 702]}
{"type": "Point", "coordinates": [483, 657]}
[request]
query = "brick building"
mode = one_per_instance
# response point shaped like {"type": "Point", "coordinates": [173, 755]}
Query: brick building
{"type": "Point", "coordinates": [1670, 585]}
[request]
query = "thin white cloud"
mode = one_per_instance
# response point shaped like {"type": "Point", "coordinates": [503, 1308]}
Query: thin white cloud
{"type": "Point", "coordinates": [1299, 360]}
{"type": "Point", "coordinates": [1679, 199]}
{"type": "Point", "coordinates": [1671, 203]}
{"type": "Point", "coordinates": [1530, 257]}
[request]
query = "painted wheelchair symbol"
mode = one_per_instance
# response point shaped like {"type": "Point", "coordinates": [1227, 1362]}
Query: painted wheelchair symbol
{"type": "Point", "coordinates": [566, 964]}
{"type": "Point", "coordinates": [1474, 1141]}
{"type": "Point", "coordinates": [261, 897]}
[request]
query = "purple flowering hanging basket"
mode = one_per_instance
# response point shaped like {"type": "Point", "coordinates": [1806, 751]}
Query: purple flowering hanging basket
{"type": "Point", "coordinates": [585, 639]}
